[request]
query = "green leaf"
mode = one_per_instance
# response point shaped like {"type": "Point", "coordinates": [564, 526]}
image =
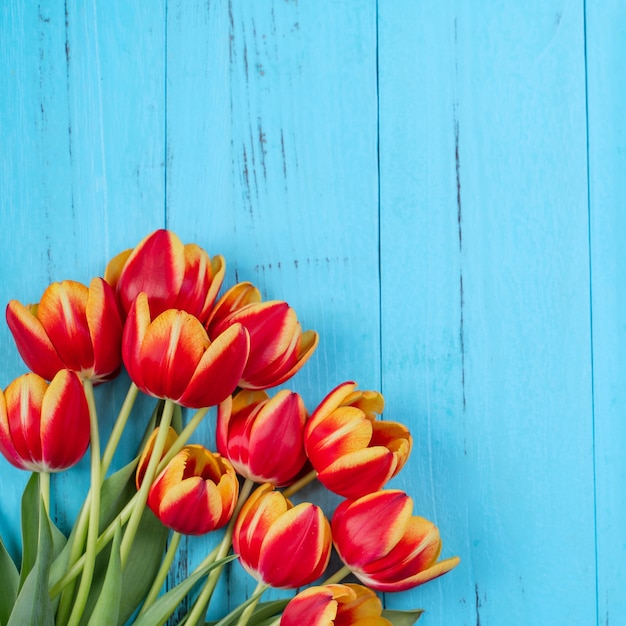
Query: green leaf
{"type": "Point", "coordinates": [30, 526]}
{"type": "Point", "coordinates": [33, 604]}
{"type": "Point", "coordinates": [107, 607]}
{"type": "Point", "coordinates": [403, 618]}
{"type": "Point", "coordinates": [159, 612]}
{"type": "Point", "coordinates": [267, 612]}
{"type": "Point", "coordinates": [10, 578]}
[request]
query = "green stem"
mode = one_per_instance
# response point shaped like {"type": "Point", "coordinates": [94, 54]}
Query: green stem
{"type": "Point", "coordinates": [199, 608]}
{"type": "Point", "coordinates": [118, 429]}
{"type": "Point", "coordinates": [299, 484]}
{"type": "Point", "coordinates": [44, 489]}
{"type": "Point", "coordinates": [338, 576]}
{"type": "Point", "coordinates": [94, 513]}
{"type": "Point", "coordinates": [162, 573]}
{"type": "Point", "coordinates": [249, 610]}
{"type": "Point", "coordinates": [142, 494]}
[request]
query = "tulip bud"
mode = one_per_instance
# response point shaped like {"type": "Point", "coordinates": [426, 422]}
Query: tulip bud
{"type": "Point", "coordinates": [269, 527]}
{"type": "Point", "coordinates": [73, 327]}
{"type": "Point", "coordinates": [246, 434]}
{"type": "Point", "coordinates": [172, 275]}
{"type": "Point", "coordinates": [278, 347]}
{"type": "Point", "coordinates": [44, 427]}
{"type": "Point", "coordinates": [386, 547]}
{"type": "Point", "coordinates": [172, 357]}
{"type": "Point", "coordinates": [353, 452]}
{"type": "Point", "coordinates": [332, 604]}
{"type": "Point", "coordinates": [196, 492]}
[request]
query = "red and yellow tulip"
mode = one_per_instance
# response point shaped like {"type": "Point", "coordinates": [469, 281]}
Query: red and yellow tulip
{"type": "Point", "coordinates": [353, 452]}
{"type": "Point", "coordinates": [171, 356]}
{"type": "Point", "coordinates": [333, 604]}
{"type": "Point", "coordinates": [72, 327]}
{"type": "Point", "coordinates": [173, 275]}
{"type": "Point", "coordinates": [269, 527]}
{"type": "Point", "coordinates": [278, 347]}
{"type": "Point", "coordinates": [195, 493]}
{"type": "Point", "coordinates": [247, 425]}
{"type": "Point", "coordinates": [385, 546]}
{"type": "Point", "coordinates": [44, 427]}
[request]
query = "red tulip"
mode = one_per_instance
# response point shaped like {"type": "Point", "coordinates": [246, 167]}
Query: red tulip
{"type": "Point", "coordinates": [352, 452]}
{"type": "Point", "coordinates": [329, 605]}
{"type": "Point", "coordinates": [278, 347]}
{"type": "Point", "coordinates": [44, 427]}
{"type": "Point", "coordinates": [173, 275]}
{"type": "Point", "coordinates": [283, 545]}
{"type": "Point", "coordinates": [246, 433]}
{"type": "Point", "coordinates": [386, 547]}
{"type": "Point", "coordinates": [196, 492]}
{"type": "Point", "coordinates": [172, 357]}
{"type": "Point", "coordinates": [73, 327]}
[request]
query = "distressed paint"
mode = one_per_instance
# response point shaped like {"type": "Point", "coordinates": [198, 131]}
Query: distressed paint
{"type": "Point", "coordinates": [434, 188]}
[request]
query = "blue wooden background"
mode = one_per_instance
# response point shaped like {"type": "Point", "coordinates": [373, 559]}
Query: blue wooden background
{"type": "Point", "coordinates": [435, 186]}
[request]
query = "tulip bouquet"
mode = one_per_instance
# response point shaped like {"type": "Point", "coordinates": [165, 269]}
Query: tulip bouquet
{"type": "Point", "coordinates": [156, 312]}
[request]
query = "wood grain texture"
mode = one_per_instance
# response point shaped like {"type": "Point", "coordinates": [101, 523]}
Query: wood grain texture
{"type": "Point", "coordinates": [434, 188]}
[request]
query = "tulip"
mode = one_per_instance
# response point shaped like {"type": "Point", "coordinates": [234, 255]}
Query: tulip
{"type": "Point", "coordinates": [325, 605]}
{"type": "Point", "coordinates": [278, 347]}
{"type": "Point", "coordinates": [247, 425]}
{"type": "Point", "coordinates": [386, 547]}
{"type": "Point", "coordinates": [352, 452]}
{"type": "Point", "coordinates": [173, 275]}
{"type": "Point", "coordinates": [196, 492]}
{"type": "Point", "coordinates": [172, 357]}
{"type": "Point", "coordinates": [280, 544]}
{"type": "Point", "coordinates": [73, 327]}
{"type": "Point", "coordinates": [44, 427]}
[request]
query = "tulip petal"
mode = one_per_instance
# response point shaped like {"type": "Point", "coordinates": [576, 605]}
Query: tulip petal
{"type": "Point", "coordinates": [358, 473]}
{"type": "Point", "coordinates": [219, 370]}
{"type": "Point", "coordinates": [115, 266]}
{"type": "Point", "coordinates": [65, 428]}
{"type": "Point", "coordinates": [315, 606]}
{"type": "Point", "coordinates": [303, 533]}
{"type": "Point", "coordinates": [62, 314]}
{"type": "Point", "coordinates": [235, 298]}
{"type": "Point", "coordinates": [333, 400]}
{"type": "Point", "coordinates": [32, 341]}
{"type": "Point", "coordinates": [105, 328]}
{"type": "Point", "coordinates": [156, 266]}
{"type": "Point", "coordinates": [170, 352]}
{"type": "Point", "coordinates": [135, 328]}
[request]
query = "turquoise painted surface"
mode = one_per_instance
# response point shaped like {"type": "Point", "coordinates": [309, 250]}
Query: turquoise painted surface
{"type": "Point", "coordinates": [435, 187]}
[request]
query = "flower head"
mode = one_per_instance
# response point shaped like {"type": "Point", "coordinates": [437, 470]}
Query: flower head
{"type": "Point", "coordinates": [246, 433]}
{"type": "Point", "coordinates": [195, 493]}
{"type": "Point", "coordinates": [278, 347]}
{"type": "Point", "coordinates": [172, 275]}
{"type": "Point", "coordinates": [44, 427]}
{"type": "Point", "coordinates": [386, 547]}
{"type": "Point", "coordinates": [352, 451]}
{"type": "Point", "coordinates": [269, 527]}
{"type": "Point", "coordinates": [328, 605]}
{"type": "Point", "coordinates": [170, 356]}
{"type": "Point", "coordinates": [73, 327]}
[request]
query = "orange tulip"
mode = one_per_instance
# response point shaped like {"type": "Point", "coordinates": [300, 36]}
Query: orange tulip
{"type": "Point", "coordinates": [173, 275]}
{"type": "Point", "coordinates": [327, 605]}
{"type": "Point", "coordinates": [246, 433]}
{"type": "Point", "coordinates": [280, 544]}
{"type": "Point", "coordinates": [44, 427]}
{"type": "Point", "coordinates": [386, 547]}
{"type": "Point", "coordinates": [73, 327]}
{"type": "Point", "coordinates": [352, 451]}
{"type": "Point", "coordinates": [196, 492]}
{"type": "Point", "coordinates": [172, 357]}
{"type": "Point", "coordinates": [278, 347]}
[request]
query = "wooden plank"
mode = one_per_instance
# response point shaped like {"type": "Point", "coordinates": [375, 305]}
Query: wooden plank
{"type": "Point", "coordinates": [271, 144]}
{"type": "Point", "coordinates": [83, 174]}
{"type": "Point", "coordinates": [486, 326]}
{"type": "Point", "coordinates": [606, 47]}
